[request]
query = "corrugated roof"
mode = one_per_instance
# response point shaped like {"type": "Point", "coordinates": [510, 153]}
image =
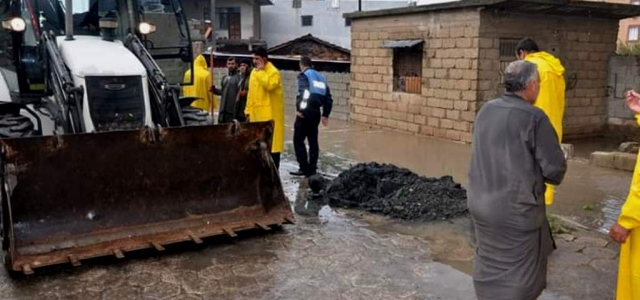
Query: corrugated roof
{"type": "Point", "coordinates": [557, 7]}
{"type": "Point", "coordinates": [309, 37]}
{"type": "Point", "coordinates": [401, 43]}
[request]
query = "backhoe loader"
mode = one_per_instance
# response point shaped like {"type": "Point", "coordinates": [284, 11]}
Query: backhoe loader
{"type": "Point", "coordinates": [99, 156]}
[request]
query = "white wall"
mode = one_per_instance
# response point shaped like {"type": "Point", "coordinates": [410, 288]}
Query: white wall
{"type": "Point", "coordinates": [282, 23]}
{"type": "Point", "coordinates": [194, 9]}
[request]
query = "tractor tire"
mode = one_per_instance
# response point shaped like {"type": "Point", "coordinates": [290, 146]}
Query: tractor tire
{"type": "Point", "coordinates": [195, 116]}
{"type": "Point", "coordinates": [15, 126]}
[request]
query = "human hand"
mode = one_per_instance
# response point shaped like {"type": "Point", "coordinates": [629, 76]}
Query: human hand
{"type": "Point", "coordinates": [247, 116]}
{"type": "Point", "coordinates": [633, 101]}
{"type": "Point", "coordinates": [325, 121]}
{"type": "Point", "coordinates": [618, 233]}
{"type": "Point", "coordinates": [299, 115]}
{"type": "Point", "coordinates": [243, 93]}
{"type": "Point", "coordinates": [259, 64]}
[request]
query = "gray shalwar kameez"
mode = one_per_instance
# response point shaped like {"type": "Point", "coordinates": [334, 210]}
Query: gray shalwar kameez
{"type": "Point", "coordinates": [229, 95]}
{"type": "Point", "coordinates": [515, 152]}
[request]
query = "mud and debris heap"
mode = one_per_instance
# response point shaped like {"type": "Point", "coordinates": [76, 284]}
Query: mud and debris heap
{"type": "Point", "coordinates": [398, 193]}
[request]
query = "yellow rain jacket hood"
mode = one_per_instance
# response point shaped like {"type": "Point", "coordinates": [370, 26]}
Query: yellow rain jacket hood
{"type": "Point", "coordinates": [551, 98]}
{"type": "Point", "coordinates": [265, 101]}
{"type": "Point", "coordinates": [202, 81]}
{"type": "Point", "coordinates": [629, 268]}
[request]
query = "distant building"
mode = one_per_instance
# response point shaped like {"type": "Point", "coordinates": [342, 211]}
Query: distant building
{"type": "Point", "coordinates": [237, 24]}
{"type": "Point", "coordinates": [290, 19]}
{"type": "Point", "coordinates": [313, 47]}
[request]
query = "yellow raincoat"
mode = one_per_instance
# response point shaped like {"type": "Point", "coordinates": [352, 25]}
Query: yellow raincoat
{"type": "Point", "coordinates": [629, 268]}
{"type": "Point", "coordinates": [202, 81]}
{"type": "Point", "coordinates": [265, 102]}
{"type": "Point", "coordinates": [551, 96]}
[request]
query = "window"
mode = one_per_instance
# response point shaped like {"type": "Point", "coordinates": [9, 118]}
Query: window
{"type": "Point", "coordinates": [633, 33]}
{"type": "Point", "coordinates": [407, 69]}
{"type": "Point", "coordinates": [347, 22]}
{"type": "Point", "coordinates": [223, 16]}
{"type": "Point", "coordinates": [307, 21]}
{"type": "Point", "coordinates": [507, 51]}
{"type": "Point", "coordinates": [335, 3]}
{"type": "Point", "coordinates": [297, 4]}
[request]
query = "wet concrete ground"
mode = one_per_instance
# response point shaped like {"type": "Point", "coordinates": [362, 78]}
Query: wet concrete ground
{"type": "Point", "coordinates": [341, 254]}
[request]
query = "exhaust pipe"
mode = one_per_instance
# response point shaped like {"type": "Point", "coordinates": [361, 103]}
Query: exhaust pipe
{"type": "Point", "coordinates": [68, 20]}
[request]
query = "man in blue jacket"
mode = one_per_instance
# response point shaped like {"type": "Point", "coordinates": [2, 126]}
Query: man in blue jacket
{"type": "Point", "coordinates": [313, 94]}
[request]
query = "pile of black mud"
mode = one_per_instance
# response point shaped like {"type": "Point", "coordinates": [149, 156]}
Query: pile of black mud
{"type": "Point", "coordinates": [398, 193]}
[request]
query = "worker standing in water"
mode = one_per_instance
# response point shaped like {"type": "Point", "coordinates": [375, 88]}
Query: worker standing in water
{"type": "Point", "coordinates": [627, 230]}
{"type": "Point", "coordinates": [200, 88]}
{"type": "Point", "coordinates": [551, 98]}
{"type": "Point", "coordinates": [265, 100]}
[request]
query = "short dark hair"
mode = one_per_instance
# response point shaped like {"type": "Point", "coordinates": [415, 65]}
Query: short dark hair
{"type": "Point", "coordinates": [245, 61]}
{"type": "Point", "coordinates": [518, 74]}
{"type": "Point", "coordinates": [261, 51]}
{"type": "Point", "coordinates": [527, 44]}
{"type": "Point", "coordinates": [306, 61]}
{"type": "Point", "coordinates": [231, 58]}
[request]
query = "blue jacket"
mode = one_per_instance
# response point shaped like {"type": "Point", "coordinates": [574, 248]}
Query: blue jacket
{"type": "Point", "coordinates": [316, 83]}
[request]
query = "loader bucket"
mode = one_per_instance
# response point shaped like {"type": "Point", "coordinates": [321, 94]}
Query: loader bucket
{"type": "Point", "coordinates": [75, 197]}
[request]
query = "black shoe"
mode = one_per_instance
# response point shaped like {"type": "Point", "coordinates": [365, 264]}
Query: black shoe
{"type": "Point", "coordinates": [310, 173]}
{"type": "Point", "coordinates": [297, 173]}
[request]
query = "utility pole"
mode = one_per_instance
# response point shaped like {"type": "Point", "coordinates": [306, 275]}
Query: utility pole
{"type": "Point", "coordinates": [212, 17]}
{"type": "Point", "coordinates": [359, 5]}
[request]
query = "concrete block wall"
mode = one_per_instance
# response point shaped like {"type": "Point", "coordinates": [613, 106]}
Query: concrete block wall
{"type": "Point", "coordinates": [584, 46]}
{"type": "Point", "coordinates": [624, 75]}
{"type": "Point", "coordinates": [446, 106]}
{"type": "Point", "coordinates": [338, 83]}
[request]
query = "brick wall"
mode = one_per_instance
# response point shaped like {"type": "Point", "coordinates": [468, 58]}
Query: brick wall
{"type": "Point", "coordinates": [338, 82]}
{"type": "Point", "coordinates": [584, 46]}
{"type": "Point", "coordinates": [462, 64]}
{"type": "Point", "coordinates": [447, 104]}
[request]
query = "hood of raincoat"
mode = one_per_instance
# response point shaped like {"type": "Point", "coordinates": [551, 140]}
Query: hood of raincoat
{"type": "Point", "coordinates": [554, 64]}
{"type": "Point", "coordinates": [200, 62]}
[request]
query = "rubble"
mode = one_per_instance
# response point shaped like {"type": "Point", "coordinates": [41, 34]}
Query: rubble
{"type": "Point", "coordinates": [398, 193]}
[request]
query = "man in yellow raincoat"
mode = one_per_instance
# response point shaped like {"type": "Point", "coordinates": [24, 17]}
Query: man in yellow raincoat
{"type": "Point", "coordinates": [627, 230]}
{"type": "Point", "coordinates": [552, 88]}
{"type": "Point", "coordinates": [202, 82]}
{"type": "Point", "coordinates": [265, 100]}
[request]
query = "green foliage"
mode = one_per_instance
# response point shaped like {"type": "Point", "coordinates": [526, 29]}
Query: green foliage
{"type": "Point", "coordinates": [627, 49]}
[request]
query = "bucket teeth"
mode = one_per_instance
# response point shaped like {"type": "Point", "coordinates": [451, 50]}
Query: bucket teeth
{"type": "Point", "coordinates": [196, 239]}
{"type": "Point", "coordinates": [26, 269]}
{"type": "Point", "coordinates": [118, 253]}
{"type": "Point", "coordinates": [229, 232]}
{"type": "Point", "coordinates": [157, 246]}
{"type": "Point", "coordinates": [263, 227]}
{"type": "Point", "coordinates": [74, 261]}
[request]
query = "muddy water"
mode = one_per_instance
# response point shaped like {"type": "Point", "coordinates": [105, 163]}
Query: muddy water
{"type": "Point", "coordinates": [590, 197]}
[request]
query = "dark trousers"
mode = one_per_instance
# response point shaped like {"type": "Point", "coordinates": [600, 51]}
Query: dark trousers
{"type": "Point", "coordinates": [276, 159]}
{"type": "Point", "coordinates": [306, 128]}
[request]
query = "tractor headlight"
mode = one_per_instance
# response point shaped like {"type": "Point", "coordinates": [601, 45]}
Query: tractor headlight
{"type": "Point", "coordinates": [146, 28]}
{"type": "Point", "coordinates": [15, 24]}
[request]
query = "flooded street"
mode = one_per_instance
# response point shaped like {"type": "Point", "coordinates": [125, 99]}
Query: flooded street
{"type": "Point", "coordinates": [348, 254]}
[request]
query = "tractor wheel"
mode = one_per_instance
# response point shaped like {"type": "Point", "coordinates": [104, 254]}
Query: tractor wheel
{"type": "Point", "coordinates": [195, 116]}
{"type": "Point", "coordinates": [15, 126]}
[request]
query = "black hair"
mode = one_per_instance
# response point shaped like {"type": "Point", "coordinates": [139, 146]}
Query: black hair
{"type": "Point", "coordinates": [306, 61]}
{"type": "Point", "coordinates": [261, 51]}
{"type": "Point", "coordinates": [527, 44]}
{"type": "Point", "coordinates": [231, 58]}
{"type": "Point", "coordinates": [245, 61]}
